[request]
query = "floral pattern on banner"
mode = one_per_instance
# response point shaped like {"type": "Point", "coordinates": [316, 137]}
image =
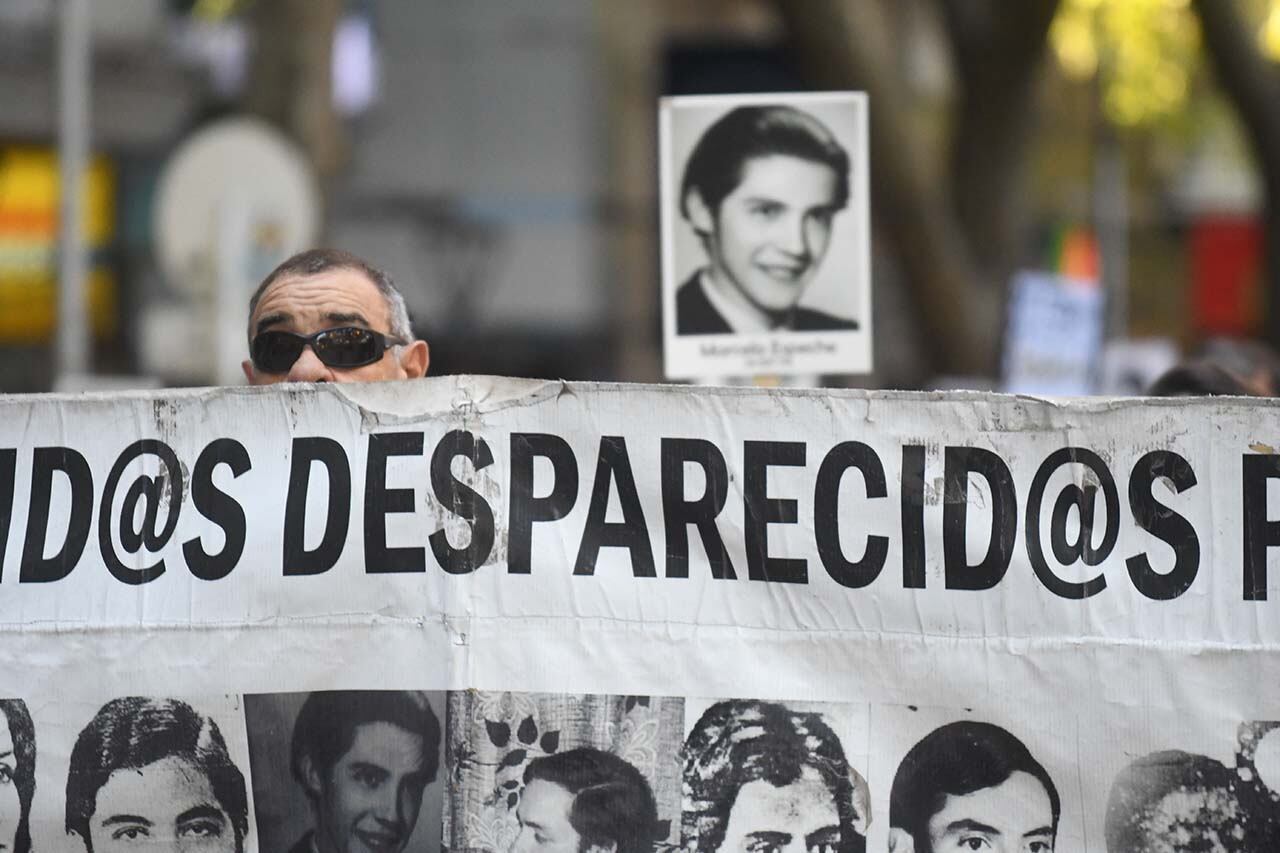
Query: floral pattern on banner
{"type": "Point", "coordinates": [493, 736]}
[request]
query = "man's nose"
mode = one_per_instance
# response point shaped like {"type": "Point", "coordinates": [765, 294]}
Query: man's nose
{"type": "Point", "coordinates": [387, 809]}
{"type": "Point", "coordinates": [309, 368]}
{"type": "Point", "coordinates": [794, 237]}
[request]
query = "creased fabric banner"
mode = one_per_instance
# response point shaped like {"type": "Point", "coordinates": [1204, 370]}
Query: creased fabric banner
{"type": "Point", "coordinates": [481, 614]}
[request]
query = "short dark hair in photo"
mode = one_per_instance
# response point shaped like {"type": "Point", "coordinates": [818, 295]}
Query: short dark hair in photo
{"type": "Point", "coordinates": [135, 731]}
{"type": "Point", "coordinates": [612, 801]}
{"type": "Point", "coordinates": [23, 734]}
{"type": "Point", "coordinates": [316, 261]}
{"type": "Point", "coordinates": [326, 727]}
{"type": "Point", "coordinates": [954, 760]}
{"type": "Point", "coordinates": [739, 741]}
{"type": "Point", "coordinates": [715, 167]}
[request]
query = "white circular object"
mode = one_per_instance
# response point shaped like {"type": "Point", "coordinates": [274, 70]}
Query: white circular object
{"type": "Point", "coordinates": [239, 168]}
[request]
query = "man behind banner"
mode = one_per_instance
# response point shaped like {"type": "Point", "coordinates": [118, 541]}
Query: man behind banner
{"type": "Point", "coordinates": [328, 316]}
{"type": "Point", "coordinates": [972, 786]}
{"type": "Point", "coordinates": [585, 801]}
{"type": "Point", "coordinates": [364, 758]}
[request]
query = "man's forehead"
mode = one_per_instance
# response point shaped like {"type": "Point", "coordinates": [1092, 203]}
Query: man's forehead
{"type": "Point", "coordinates": [315, 297]}
{"type": "Point", "coordinates": [1016, 806]}
{"type": "Point", "coordinates": [788, 177]}
{"type": "Point", "coordinates": [545, 803]}
{"type": "Point", "coordinates": [382, 741]}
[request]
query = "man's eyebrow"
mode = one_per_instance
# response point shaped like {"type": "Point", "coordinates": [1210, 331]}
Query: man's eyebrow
{"type": "Point", "coordinates": [126, 818]}
{"type": "Point", "coordinates": [270, 320]}
{"type": "Point", "coordinates": [6, 753]}
{"type": "Point", "coordinates": [771, 836]}
{"type": "Point", "coordinates": [200, 811]}
{"type": "Point", "coordinates": [832, 831]}
{"type": "Point", "coordinates": [1043, 830]}
{"type": "Point", "coordinates": [368, 765]}
{"type": "Point", "coordinates": [969, 825]}
{"type": "Point", "coordinates": [350, 318]}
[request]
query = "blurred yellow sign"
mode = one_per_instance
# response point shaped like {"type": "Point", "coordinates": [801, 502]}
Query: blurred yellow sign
{"type": "Point", "coordinates": [29, 241]}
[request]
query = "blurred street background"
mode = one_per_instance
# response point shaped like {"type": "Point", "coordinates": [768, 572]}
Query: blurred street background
{"type": "Point", "coordinates": [498, 158]}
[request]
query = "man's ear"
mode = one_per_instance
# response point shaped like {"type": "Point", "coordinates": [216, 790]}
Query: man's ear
{"type": "Point", "coordinates": [699, 214]}
{"type": "Point", "coordinates": [311, 777]}
{"type": "Point", "coordinates": [247, 367]}
{"type": "Point", "coordinates": [414, 359]}
{"type": "Point", "coordinates": [900, 841]}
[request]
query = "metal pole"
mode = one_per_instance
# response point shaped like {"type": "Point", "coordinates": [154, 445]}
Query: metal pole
{"type": "Point", "coordinates": [73, 158]}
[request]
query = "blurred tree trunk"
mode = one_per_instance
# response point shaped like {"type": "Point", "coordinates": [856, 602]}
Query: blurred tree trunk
{"type": "Point", "coordinates": [956, 245]}
{"type": "Point", "coordinates": [1253, 87]}
{"type": "Point", "coordinates": [996, 49]}
{"type": "Point", "coordinates": [290, 80]}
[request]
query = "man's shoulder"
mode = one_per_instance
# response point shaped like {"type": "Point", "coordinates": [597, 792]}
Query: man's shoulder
{"type": "Point", "coordinates": [695, 315]}
{"type": "Point", "coordinates": [303, 844]}
{"type": "Point", "coordinates": [813, 320]}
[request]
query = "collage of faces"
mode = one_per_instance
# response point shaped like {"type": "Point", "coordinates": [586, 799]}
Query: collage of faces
{"type": "Point", "coordinates": [391, 771]}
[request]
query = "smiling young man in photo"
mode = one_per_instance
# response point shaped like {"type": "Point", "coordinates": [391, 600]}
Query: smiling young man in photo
{"type": "Point", "coordinates": [761, 190]}
{"type": "Point", "coordinates": [364, 759]}
{"type": "Point", "coordinates": [972, 786]}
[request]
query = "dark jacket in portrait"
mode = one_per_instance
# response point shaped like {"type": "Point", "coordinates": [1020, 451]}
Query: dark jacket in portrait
{"type": "Point", "coordinates": [304, 844]}
{"type": "Point", "coordinates": [695, 315]}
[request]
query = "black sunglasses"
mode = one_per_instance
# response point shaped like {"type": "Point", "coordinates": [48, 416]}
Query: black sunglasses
{"type": "Point", "coordinates": [346, 346]}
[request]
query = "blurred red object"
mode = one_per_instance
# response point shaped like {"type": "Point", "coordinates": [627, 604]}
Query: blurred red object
{"type": "Point", "coordinates": [1226, 295]}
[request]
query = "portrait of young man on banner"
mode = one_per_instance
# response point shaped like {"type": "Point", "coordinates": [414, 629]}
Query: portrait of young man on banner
{"type": "Point", "coordinates": [763, 776]}
{"type": "Point", "coordinates": [346, 771]}
{"type": "Point", "coordinates": [765, 234]}
{"type": "Point", "coordinates": [563, 772]}
{"type": "Point", "coordinates": [182, 789]}
{"type": "Point", "coordinates": [585, 800]}
{"type": "Point", "coordinates": [972, 786]}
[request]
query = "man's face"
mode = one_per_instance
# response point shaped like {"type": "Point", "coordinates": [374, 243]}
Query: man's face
{"type": "Point", "coordinates": [1015, 816]}
{"type": "Point", "coordinates": [328, 300]}
{"type": "Point", "coordinates": [167, 806]}
{"type": "Point", "coordinates": [796, 818]}
{"type": "Point", "coordinates": [369, 800]}
{"type": "Point", "coordinates": [771, 233]}
{"type": "Point", "coordinates": [543, 814]}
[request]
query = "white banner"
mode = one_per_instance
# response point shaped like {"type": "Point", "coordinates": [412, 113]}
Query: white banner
{"type": "Point", "coordinates": [649, 617]}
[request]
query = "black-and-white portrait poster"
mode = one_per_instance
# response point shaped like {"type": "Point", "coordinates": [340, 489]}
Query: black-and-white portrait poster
{"type": "Point", "coordinates": [348, 771]}
{"type": "Point", "coordinates": [766, 248]}
{"type": "Point", "coordinates": [962, 779]}
{"type": "Point", "coordinates": [563, 773]}
{"type": "Point", "coordinates": [770, 775]}
{"type": "Point", "coordinates": [159, 773]}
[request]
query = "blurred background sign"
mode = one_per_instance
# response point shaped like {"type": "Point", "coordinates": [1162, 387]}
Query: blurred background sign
{"type": "Point", "coordinates": [1054, 337]}
{"type": "Point", "coordinates": [29, 242]}
{"type": "Point", "coordinates": [232, 203]}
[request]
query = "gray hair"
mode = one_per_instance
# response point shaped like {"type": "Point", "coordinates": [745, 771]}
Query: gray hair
{"type": "Point", "coordinates": [316, 261]}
